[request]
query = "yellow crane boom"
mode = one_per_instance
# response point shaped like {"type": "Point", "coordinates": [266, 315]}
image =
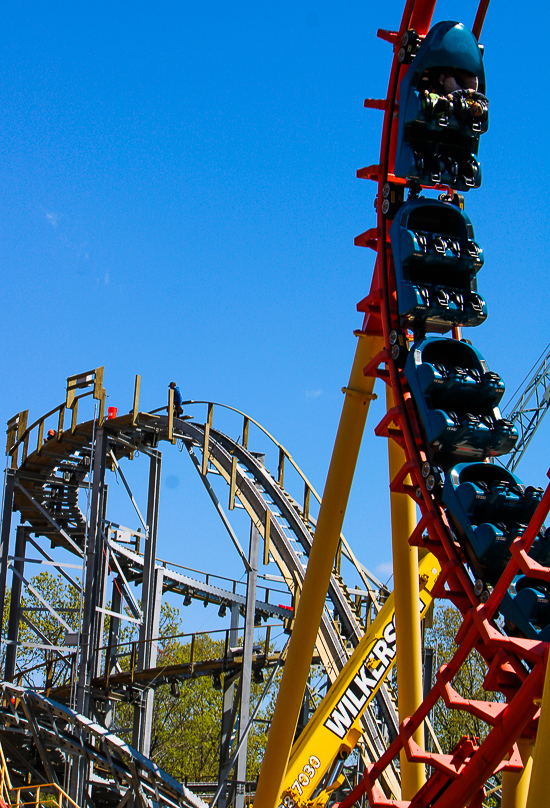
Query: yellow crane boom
{"type": "Point", "coordinates": [335, 729]}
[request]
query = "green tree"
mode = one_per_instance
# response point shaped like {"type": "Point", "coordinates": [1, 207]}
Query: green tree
{"type": "Point", "coordinates": [186, 729]}
{"type": "Point", "coordinates": [33, 662]}
{"type": "Point", "coordinates": [185, 738]}
{"type": "Point", "coordinates": [451, 725]}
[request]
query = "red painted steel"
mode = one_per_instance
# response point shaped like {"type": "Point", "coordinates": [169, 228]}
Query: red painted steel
{"type": "Point", "coordinates": [515, 666]}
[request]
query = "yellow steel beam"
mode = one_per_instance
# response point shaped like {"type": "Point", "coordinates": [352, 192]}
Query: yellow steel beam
{"type": "Point", "coordinates": [317, 578]}
{"type": "Point", "coordinates": [538, 787]}
{"type": "Point", "coordinates": [407, 622]}
{"type": "Point", "coordinates": [515, 785]}
{"type": "Point", "coordinates": [335, 727]}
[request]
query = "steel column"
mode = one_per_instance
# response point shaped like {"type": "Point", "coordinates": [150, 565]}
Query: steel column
{"type": "Point", "coordinates": [146, 714]}
{"type": "Point", "coordinates": [147, 723]}
{"type": "Point", "coordinates": [80, 771]}
{"type": "Point", "coordinates": [246, 675]}
{"type": "Point", "coordinates": [93, 556]}
{"type": "Point", "coordinates": [407, 617]}
{"type": "Point", "coordinates": [143, 712]}
{"type": "Point", "coordinates": [515, 785]}
{"type": "Point", "coordinates": [112, 643]}
{"type": "Point", "coordinates": [150, 555]}
{"type": "Point", "coordinates": [15, 602]}
{"type": "Point", "coordinates": [102, 562]}
{"type": "Point", "coordinates": [229, 711]}
{"type": "Point", "coordinates": [5, 537]}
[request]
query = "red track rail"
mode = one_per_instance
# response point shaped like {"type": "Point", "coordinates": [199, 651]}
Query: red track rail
{"type": "Point", "coordinates": [515, 666]}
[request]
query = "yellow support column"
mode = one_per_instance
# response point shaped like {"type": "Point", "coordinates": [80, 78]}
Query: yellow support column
{"type": "Point", "coordinates": [538, 787]}
{"type": "Point", "coordinates": [515, 785]}
{"type": "Point", "coordinates": [319, 568]}
{"type": "Point", "coordinates": [407, 615]}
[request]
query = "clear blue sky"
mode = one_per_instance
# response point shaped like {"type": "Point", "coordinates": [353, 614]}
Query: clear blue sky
{"type": "Point", "coordinates": [179, 200]}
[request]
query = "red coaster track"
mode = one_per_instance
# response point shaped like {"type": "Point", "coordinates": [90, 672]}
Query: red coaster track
{"type": "Point", "coordinates": [516, 666]}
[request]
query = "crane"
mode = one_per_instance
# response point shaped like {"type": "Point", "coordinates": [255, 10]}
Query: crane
{"type": "Point", "coordinates": [530, 404]}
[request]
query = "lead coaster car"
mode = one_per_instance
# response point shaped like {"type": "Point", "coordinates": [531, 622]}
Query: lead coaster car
{"type": "Point", "coordinates": [438, 132]}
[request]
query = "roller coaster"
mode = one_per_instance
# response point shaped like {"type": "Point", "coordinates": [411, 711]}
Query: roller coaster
{"type": "Point", "coordinates": [465, 530]}
{"type": "Point", "coordinates": [43, 485]}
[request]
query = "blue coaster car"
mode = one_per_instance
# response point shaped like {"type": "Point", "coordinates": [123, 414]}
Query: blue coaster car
{"type": "Point", "coordinates": [436, 260]}
{"type": "Point", "coordinates": [443, 110]}
{"type": "Point", "coordinates": [456, 397]}
{"type": "Point", "coordinates": [489, 507]}
{"type": "Point", "coordinates": [528, 611]}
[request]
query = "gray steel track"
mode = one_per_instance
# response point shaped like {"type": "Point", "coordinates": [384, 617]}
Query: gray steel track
{"type": "Point", "coordinates": [46, 495]}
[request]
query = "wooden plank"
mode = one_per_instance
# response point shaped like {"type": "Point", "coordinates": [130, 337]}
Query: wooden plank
{"type": "Point", "coordinates": [60, 422]}
{"type": "Point", "coordinates": [307, 492]}
{"type": "Point", "coordinates": [99, 392]}
{"type": "Point", "coordinates": [281, 470]}
{"type": "Point", "coordinates": [192, 656]}
{"type": "Point", "coordinates": [170, 413]}
{"type": "Point", "coordinates": [267, 536]}
{"type": "Point", "coordinates": [74, 419]}
{"type": "Point", "coordinates": [135, 408]}
{"type": "Point", "coordinates": [25, 447]}
{"type": "Point", "coordinates": [205, 449]}
{"type": "Point", "coordinates": [232, 483]}
{"type": "Point", "coordinates": [122, 420]}
{"type": "Point", "coordinates": [40, 438]}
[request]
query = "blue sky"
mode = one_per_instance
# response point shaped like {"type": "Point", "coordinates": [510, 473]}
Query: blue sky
{"type": "Point", "coordinates": [179, 200]}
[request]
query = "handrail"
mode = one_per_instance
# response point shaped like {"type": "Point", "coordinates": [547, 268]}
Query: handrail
{"type": "Point", "coordinates": [7, 790]}
{"type": "Point", "coordinates": [211, 575]}
{"type": "Point", "coordinates": [5, 786]}
{"type": "Point", "coordinates": [29, 429]}
{"type": "Point", "coordinates": [38, 787]}
{"type": "Point", "coordinates": [263, 429]}
{"type": "Point", "coordinates": [350, 554]}
{"type": "Point", "coordinates": [80, 380]}
{"type": "Point", "coordinates": [160, 639]}
{"type": "Point", "coordinates": [24, 439]}
{"type": "Point", "coordinates": [283, 454]}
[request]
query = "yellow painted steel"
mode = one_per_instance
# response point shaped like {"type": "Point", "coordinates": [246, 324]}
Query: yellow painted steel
{"type": "Point", "coordinates": [409, 644]}
{"type": "Point", "coordinates": [321, 559]}
{"type": "Point", "coordinates": [335, 727]}
{"type": "Point", "coordinates": [538, 787]}
{"type": "Point", "coordinates": [515, 785]}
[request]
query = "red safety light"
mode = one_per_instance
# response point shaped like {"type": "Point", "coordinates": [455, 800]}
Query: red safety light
{"type": "Point", "coordinates": [111, 412]}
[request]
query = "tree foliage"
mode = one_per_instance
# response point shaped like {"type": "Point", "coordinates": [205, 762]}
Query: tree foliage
{"type": "Point", "coordinates": [451, 725]}
{"type": "Point", "coordinates": [33, 661]}
{"type": "Point", "coordinates": [186, 728]}
{"type": "Point", "coordinates": [185, 738]}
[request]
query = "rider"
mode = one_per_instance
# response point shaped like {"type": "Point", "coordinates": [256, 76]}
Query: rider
{"type": "Point", "coordinates": [178, 409]}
